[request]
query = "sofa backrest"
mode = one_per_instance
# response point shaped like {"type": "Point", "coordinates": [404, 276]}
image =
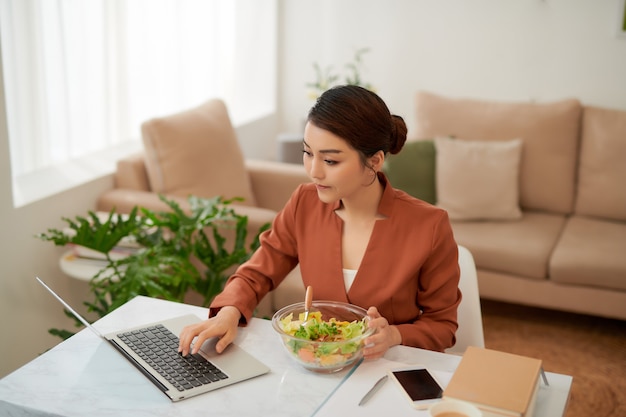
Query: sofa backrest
{"type": "Point", "coordinates": [602, 172]}
{"type": "Point", "coordinates": [549, 131]}
{"type": "Point", "coordinates": [196, 152]}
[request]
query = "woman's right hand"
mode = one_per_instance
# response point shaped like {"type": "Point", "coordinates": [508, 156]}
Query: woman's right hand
{"type": "Point", "coordinates": [223, 325]}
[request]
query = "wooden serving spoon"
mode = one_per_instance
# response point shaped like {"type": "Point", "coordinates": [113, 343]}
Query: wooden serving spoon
{"type": "Point", "coordinates": [308, 301]}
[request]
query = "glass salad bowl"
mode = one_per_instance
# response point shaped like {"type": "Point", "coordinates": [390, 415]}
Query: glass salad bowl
{"type": "Point", "coordinates": [330, 339]}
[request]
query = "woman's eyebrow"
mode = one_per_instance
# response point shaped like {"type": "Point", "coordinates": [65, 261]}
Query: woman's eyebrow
{"type": "Point", "coordinates": [323, 150]}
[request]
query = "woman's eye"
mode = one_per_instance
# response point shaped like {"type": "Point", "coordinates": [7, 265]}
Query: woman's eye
{"type": "Point", "coordinates": [326, 161]}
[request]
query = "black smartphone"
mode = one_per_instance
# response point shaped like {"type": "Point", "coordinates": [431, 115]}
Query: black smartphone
{"type": "Point", "coordinates": [419, 386]}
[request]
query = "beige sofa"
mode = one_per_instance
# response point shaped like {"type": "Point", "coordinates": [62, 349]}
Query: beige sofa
{"type": "Point", "coordinates": [196, 152]}
{"type": "Point", "coordinates": [561, 241]}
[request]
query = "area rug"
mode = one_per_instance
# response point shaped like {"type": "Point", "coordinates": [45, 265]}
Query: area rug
{"type": "Point", "coordinates": [591, 349]}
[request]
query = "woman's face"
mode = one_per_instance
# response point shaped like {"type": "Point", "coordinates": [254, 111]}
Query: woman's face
{"type": "Point", "coordinates": [333, 165]}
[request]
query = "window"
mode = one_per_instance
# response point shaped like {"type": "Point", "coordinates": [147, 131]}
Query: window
{"type": "Point", "coordinates": [80, 76]}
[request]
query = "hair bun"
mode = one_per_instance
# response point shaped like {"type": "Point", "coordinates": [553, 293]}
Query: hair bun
{"type": "Point", "coordinates": [398, 134]}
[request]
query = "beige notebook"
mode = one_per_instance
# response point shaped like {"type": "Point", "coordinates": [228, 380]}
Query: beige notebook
{"type": "Point", "coordinates": [499, 383]}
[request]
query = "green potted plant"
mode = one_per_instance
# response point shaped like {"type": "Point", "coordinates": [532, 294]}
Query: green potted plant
{"type": "Point", "coordinates": [177, 253]}
{"type": "Point", "coordinates": [326, 78]}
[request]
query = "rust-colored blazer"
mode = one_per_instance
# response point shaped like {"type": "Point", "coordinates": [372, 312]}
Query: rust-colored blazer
{"type": "Point", "coordinates": [409, 271]}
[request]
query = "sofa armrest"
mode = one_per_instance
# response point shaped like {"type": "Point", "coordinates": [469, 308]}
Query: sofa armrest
{"type": "Point", "coordinates": [131, 173]}
{"type": "Point", "coordinates": [123, 200]}
{"type": "Point", "coordinates": [274, 182]}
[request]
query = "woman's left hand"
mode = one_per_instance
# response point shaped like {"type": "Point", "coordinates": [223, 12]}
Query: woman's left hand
{"type": "Point", "coordinates": [384, 337]}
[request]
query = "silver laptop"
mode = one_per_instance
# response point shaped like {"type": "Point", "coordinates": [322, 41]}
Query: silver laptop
{"type": "Point", "coordinates": [153, 349]}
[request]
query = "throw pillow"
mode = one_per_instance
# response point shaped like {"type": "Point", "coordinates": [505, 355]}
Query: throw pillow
{"type": "Point", "coordinates": [413, 170]}
{"type": "Point", "coordinates": [195, 152]}
{"type": "Point", "coordinates": [478, 180]}
{"type": "Point", "coordinates": [550, 130]}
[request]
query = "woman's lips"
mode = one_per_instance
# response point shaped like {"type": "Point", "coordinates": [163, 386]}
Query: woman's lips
{"type": "Point", "coordinates": [321, 187]}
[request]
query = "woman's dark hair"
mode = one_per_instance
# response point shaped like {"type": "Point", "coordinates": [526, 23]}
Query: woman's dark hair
{"type": "Point", "coordinates": [361, 118]}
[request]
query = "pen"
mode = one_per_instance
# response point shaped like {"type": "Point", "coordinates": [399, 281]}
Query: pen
{"type": "Point", "coordinates": [372, 391]}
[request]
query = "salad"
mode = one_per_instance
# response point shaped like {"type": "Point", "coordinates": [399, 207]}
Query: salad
{"type": "Point", "coordinates": [320, 342]}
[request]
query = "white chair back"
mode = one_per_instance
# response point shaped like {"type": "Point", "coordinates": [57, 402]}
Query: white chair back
{"type": "Point", "coordinates": [470, 331]}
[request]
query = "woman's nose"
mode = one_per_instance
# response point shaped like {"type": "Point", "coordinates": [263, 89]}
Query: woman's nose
{"type": "Point", "coordinates": [315, 169]}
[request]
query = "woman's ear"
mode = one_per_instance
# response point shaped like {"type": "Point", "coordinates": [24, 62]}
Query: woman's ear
{"type": "Point", "coordinates": [377, 160]}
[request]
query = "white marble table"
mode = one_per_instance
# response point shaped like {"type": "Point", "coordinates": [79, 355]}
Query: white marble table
{"type": "Point", "coordinates": [85, 376]}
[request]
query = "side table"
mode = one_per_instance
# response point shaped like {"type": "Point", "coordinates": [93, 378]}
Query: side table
{"type": "Point", "coordinates": [290, 148]}
{"type": "Point", "coordinates": [80, 268]}
{"type": "Point", "coordinates": [83, 264]}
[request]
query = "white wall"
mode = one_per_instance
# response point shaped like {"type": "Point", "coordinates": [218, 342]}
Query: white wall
{"type": "Point", "coordinates": [507, 50]}
{"type": "Point", "coordinates": [492, 49]}
{"type": "Point", "coordinates": [26, 312]}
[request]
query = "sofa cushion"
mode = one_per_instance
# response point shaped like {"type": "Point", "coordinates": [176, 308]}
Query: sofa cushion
{"type": "Point", "coordinates": [602, 172]}
{"type": "Point", "coordinates": [196, 152]}
{"type": "Point", "coordinates": [549, 132]}
{"type": "Point", "coordinates": [413, 169]}
{"type": "Point", "coordinates": [591, 252]}
{"type": "Point", "coordinates": [525, 255]}
{"type": "Point", "coordinates": [478, 179]}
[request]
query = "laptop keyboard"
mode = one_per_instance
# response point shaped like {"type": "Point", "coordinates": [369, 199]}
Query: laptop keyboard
{"type": "Point", "coordinates": [159, 348]}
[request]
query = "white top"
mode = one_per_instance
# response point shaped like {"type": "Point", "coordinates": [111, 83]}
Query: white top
{"type": "Point", "coordinates": [348, 277]}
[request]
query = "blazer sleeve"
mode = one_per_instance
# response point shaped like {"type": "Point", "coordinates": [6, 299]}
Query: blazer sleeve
{"type": "Point", "coordinates": [266, 268]}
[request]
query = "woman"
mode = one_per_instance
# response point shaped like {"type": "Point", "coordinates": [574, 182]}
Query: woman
{"type": "Point", "coordinates": [356, 238]}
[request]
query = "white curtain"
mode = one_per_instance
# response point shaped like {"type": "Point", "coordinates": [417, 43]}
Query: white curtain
{"type": "Point", "coordinates": [81, 75]}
